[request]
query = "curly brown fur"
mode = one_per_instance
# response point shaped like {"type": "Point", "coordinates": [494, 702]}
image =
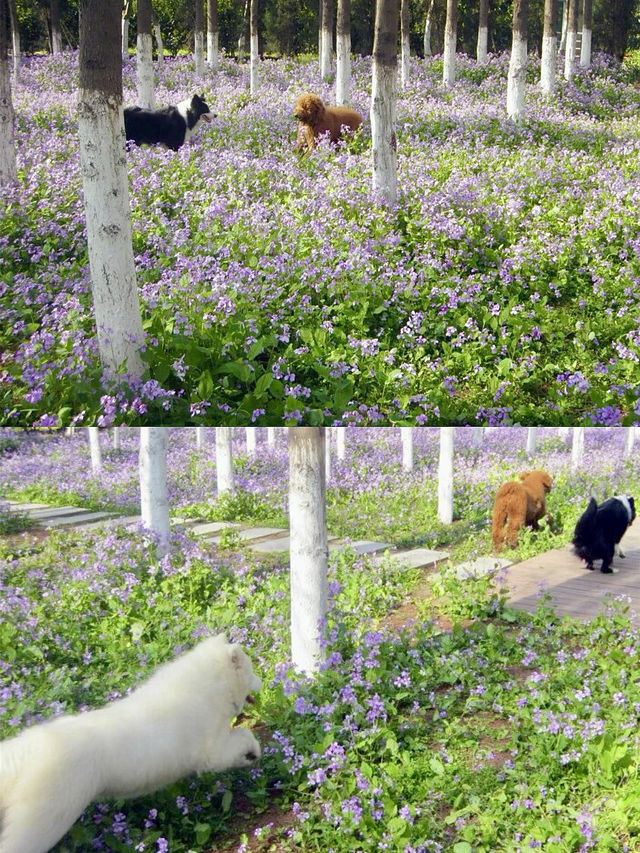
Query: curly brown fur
{"type": "Point", "coordinates": [314, 119]}
{"type": "Point", "coordinates": [517, 504]}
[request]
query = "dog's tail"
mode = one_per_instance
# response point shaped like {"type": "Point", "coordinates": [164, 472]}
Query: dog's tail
{"type": "Point", "coordinates": [582, 534]}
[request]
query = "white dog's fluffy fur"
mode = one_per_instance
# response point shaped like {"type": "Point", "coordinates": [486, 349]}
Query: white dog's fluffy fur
{"type": "Point", "coordinates": [176, 723]}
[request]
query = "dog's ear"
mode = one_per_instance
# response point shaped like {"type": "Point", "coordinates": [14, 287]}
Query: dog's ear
{"type": "Point", "coordinates": [524, 475]}
{"type": "Point", "coordinates": [235, 655]}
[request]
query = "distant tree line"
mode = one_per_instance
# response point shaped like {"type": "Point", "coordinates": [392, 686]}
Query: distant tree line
{"type": "Point", "coordinates": [289, 27]}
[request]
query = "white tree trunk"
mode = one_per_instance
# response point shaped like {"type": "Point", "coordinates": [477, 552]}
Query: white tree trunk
{"type": "Point", "coordinates": [309, 549]}
{"type": "Point", "coordinates": [570, 54]}
{"type": "Point", "coordinates": [94, 449]}
{"type": "Point", "coordinates": [478, 436]}
{"type": "Point", "coordinates": [224, 460]}
{"type": "Point", "coordinates": [630, 439]}
{"type": "Point", "coordinates": [56, 42]}
{"type": "Point", "coordinates": [198, 51]}
{"type": "Point", "coordinates": [449, 59]}
{"type": "Point", "coordinates": [327, 456]}
{"type": "Point", "coordinates": [585, 48]}
{"type": "Point", "coordinates": [271, 436]}
{"type": "Point", "coordinates": [15, 48]}
{"type": "Point", "coordinates": [531, 441]}
{"type": "Point", "coordinates": [482, 45]}
{"type": "Point", "coordinates": [326, 53]}
{"type": "Point", "coordinates": [253, 66]}
{"type": "Point", "coordinates": [445, 476]}
{"type": "Point", "coordinates": [548, 64]}
{"type": "Point", "coordinates": [516, 79]}
{"type": "Point", "coordinates": [251, 435]}
{"type": "Point", "coordinates": [157, 34]}
{"type": "Point", "coordinates": [343, 68]}
{"type": "Point", "coordinates": [125, 38]}
{"type": "Point", "coordinates": [577, 447]}
{"type": "Point", "coordinates": [201, 438]}
{"type": "Point", "coordinates": [116, 438]}
{"type": "Point", "coordinates": [406, 434]}
{"type": "Point", "coordinates": [144, 71]}
{"type": "Point", "coordinates": [383, 133]}
{"type": "Point", "coordinates": [340, 443]}
{"type": "Point", "coordinates": [8, 167]}
{"type": "Point", "coordinates": [154, 498]}
{"type": "Point", "coordinates": [426, 43]}
{"type": "Point", "coordinates": [106, 196]}
{"type": "Point", "coordinates": [213, 53]}
{"type": "Point", "coordinates": [563, 433]}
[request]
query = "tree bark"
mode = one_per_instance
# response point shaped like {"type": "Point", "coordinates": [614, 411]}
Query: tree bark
{"type": "Point", "coordinates": [405, 43]}
{"type": "Point", "coordinates": [213, 35]}
{"type": "Point", "coordinates": [450, 39]}
{"type": "Point", "coordinates": [15, 40]}
{"type": "Point", "coordinates": [517, 77]}
{"type": "Point", "coordinates": [8, 167]}
{"type": "Point", "coordinates": [483, 32]}
{"type": "Point", "coordinates": [427, 30]}
{"type": "Point", "coordinates": [343, 52]}
{"type": "Point", "coordinates": [253, 45]}
{"type": "Point", "coordinates": [309, 548]}
{"type": "Point", "coordinates": [154, 498]}
{"type": "Point", "coordinates": [383, 100]}
{"type": "Point", "coordinates": [326, 38]}
{"type": "Point", "coordinates": [445, 476]}
{"type": "Point", "coordinates": [106, 189]}
{"type": "Point", "coordinates": [224, 460]}
{"type": "Point", "coordinates": [93, 434]}
{"type": "Point", "coordinates": [144, 56]}
{"type": "Point", "coordinates": [125, 29]}
{"type": "Point", "coordinates": [577, 447]}
{"type": "Point", "coordinates": [572, 38]}
{"type": "Point", "coordinates": [198, 38]}
{"type": "Point", "coordinates": [56, 34]}
{"type": "Point", "coordinates": [251, 436]}
{"type": "Point", "coordinates": [157, 34]}
{"type": "Point", "coordinates": [549, 48]}
{"type": "Point", "coordinates": [531, 441]}
{"type": "Point", "coordinates": [585, 45]}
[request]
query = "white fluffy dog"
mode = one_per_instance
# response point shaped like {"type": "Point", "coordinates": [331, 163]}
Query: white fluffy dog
{"type": "Point", "coordinates": [176, 723]}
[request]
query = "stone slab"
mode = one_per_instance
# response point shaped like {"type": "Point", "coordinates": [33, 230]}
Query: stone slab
{"type": "Point", "coordinates": [362, 546]}
{"type": "Point", "coordinates": [208, 527]}
{"type": "Point", "coordinates": [481, 566]}
{"type": "Point", "coordinates": [77, 520]}
{"type": "Point", "coordinates": [55, 511]}
{"type": "Point", "coordinates": [260, 532]}
{"type": "Point", "coordinates": [280, 544]}
{"type": "Point", "coordinates": [420, 558]}
{"type": "Point", "coordinates": [22, 507]}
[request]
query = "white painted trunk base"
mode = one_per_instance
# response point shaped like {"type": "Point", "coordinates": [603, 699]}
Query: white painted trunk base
{"type": "Point", "coordinates": [213, 53]}
{"type": "Point", "coordinates": [253, 65]}
{"type": "Point", "coordinates": [426, 44]}
{"type": "Point", "coordinates": [157, 34]}
{"type": "Point", "coordinates": [340, 442]}
{"type": "Point", "coordinates": [445, 476]}
{"type": "Point", "coordinates": [106, 197]}
{"type": "Point", "coordinates": [144, 71]}
{"type": "Point", "coordinates": [406, 434]}
{"type": "Point", "coordinates": [481, 47]}
{"type": "Point", "coordinates": [154, 498]}
{"type": "Point", "coordinates": [8, 168]}
{"type": "Point", "coordinates": [531, 441]}
{"type": "Point", "coordinates": [343, 69]}
{"type": "Point", "coordinates": [383, 132]}
{"type": "Point", "coordinates": [449, 59]}
{"type": "Point", "coordinates": [548, 64]}
{"type": "Point", "coordinates": [516, 79]}
{"type": "Point", "coordinates": [309, 548]}
{"type": "Point", "coordinates": [198, 52]}
{"type": "Point", "coordinates": [224, 460]}
{"type": "Point", "coordinates": [570, 55]}
{"type": "Point", "coordinates": [94, 449]}
{"type": "Point", "coordinates": [125, 38]}
{"type": "Point", "coordinates": [630, 440]}
{"type": "Point", "coordinates": [326, 53]}
{"type": "Point", "coordinates": [577, 447]}
{"type": "Point", "coordinates": [405, 62]}
{"type": "Point", "coordinates": [56, 42]}
{"type": "Point", "coordinates": [251, 435]}
{"type": "Point", "coordinates": [585, 49]}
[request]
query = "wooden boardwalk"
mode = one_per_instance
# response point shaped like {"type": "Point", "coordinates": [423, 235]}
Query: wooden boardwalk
{"type": "Point", "coordinates": [574, 590]}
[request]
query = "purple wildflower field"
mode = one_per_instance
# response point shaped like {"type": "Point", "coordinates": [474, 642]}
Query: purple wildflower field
{"type": "Point", "coordinates": [276, 289]}
{"type": "Point", "coordinates": [501, 733]}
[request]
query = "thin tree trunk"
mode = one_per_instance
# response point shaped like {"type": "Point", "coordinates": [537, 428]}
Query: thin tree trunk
{"type": "Point", "coordinates": [8, 168]}
{"type": "Point", "coordinates": [483, 32]}
{"type": "Point", "coordinates": [154, 497]}
{"type": "Point", "coordinates": [577, 447]}
{"type": "Point", "coordinates": [242, 38]}
{"type": "Point", "coordinates": [15, 40]}
{"type": "Point", "coordinates": [427, 30]}
{"type": "Point", "coordinates": [383, 100]}
{"type": "Point", "coordinates": [450, 39]}
{"type": "Point", "coordinates": [251, 434]}
{"type": "Point", "coordinates": [255, 55]}
{"type": "Point", "coordinates": [106, 189]}
{"type": "Point", "coordinates": [585, 45]}
{"type": "Point", "coordinates": [271, 436]}
{"type": "Point", "coordinates": [340, 442]}
{"type": "Point", "coordinates": [56, 34]}
{"type": "Point", "coordinates": [572, 38]}
{"type": "Point", "coordinates": [125, 29]}
{"type": "Point", "coordinates": [309, 548]}
{"type": "Point", "coordinates": [213, 55]}
{"type": "Point", "coordinates": [531, 441]}
{"type": "Point", "coordinates": [326, 38]}
{"type": "Point", "coordinates": [198, 38]}
{"type": "Point", "coordinates": [405, 43]}
{"type": "Point", "coordinates": [327, 456]}
{"type": "Point", "coordinates": [157, 34]}
{"type": "Point", "coordinates": [517, 77]}
{"type": "Point", "coordinates": [343, 52]}
{"type": "Point", "coordinates": [630, 438]}
{"type": "Point", "coordinates": [445, 476]}
{"type": "Point", "coordinates": [144, 56]}
{"type": "Point", "coordinates": [93, 434]}
{"type": "Point", "coordinates": [224, 460]}
{"type": "Point", "coordinates": [406, 435]}
{"type": "Point", "coordinates": [549, 48]}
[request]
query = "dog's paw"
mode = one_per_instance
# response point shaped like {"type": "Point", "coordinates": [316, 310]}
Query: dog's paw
{"type": "Point", "coordinates": [250, 747]}
{"type": "Point", "coordinates": [606, 570]}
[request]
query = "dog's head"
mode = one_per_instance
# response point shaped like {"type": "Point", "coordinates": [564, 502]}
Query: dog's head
{"type": "Point", "coordinates": [309, 109]}
{"type": "Point", "coordinates": [200, 108]}
{"type": "Point", "coordinates": [541, 478]}
{"type": "Point", "coordinates": [245, 681]}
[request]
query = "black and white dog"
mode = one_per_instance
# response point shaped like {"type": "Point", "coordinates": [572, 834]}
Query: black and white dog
{"type": "Point", "coordinates": [600, 529]}
{"type": "Point", "coordinates": [170, 126]}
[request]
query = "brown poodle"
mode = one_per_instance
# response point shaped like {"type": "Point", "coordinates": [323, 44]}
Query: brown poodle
{"type": "Point", "coordinates": [314, 119]}
{"type": "Point", "coordinates": [517, 504]}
